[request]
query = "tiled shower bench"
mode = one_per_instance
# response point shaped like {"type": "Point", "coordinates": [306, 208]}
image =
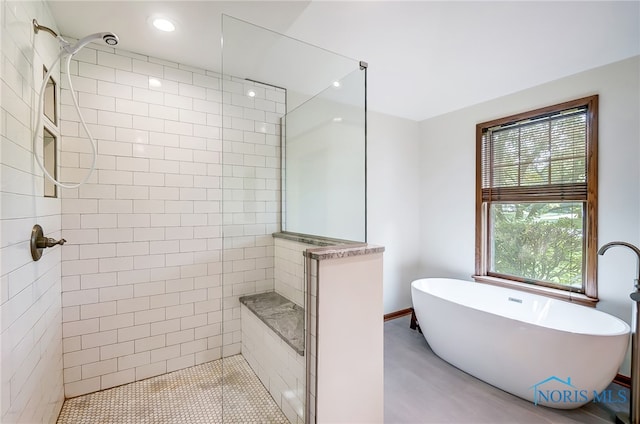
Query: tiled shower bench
{"type": "Point", "coordinates": [273, 345]}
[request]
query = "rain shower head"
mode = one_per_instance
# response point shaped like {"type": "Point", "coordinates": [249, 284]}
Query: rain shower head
{"type": "Point", "coordinates": [108, 37]}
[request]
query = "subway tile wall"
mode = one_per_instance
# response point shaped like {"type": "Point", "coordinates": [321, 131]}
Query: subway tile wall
{"type": "Point", "coordinates": [30, 309]}
{"type": "Point", "coordinates": [289, 269]}
{"type": "Point", "coordinates": [142, 273]}
{"type": "Point", "coordinates": [280, 369]}
{"type": "Point", "coordinates": [278, 366]}
{"type": "Point", "coordinates": [251, 195]}
{"type": "Point", "coordinates": [290, 282]}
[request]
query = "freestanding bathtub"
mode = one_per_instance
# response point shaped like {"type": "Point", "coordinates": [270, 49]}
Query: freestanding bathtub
{"type": "Point", "coordinates": [548, 351]}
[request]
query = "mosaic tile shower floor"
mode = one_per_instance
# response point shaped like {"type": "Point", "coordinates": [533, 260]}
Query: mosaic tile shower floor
{"type": "Point", "coordinates": [193, 395]}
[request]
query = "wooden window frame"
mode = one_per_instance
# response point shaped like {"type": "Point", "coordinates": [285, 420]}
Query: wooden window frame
{"type": "Point", "coordinates": [590, 295]}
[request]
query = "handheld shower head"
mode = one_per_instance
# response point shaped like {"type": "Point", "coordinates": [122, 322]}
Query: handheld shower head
{"type": "Point", "coordinates": [108, 37]}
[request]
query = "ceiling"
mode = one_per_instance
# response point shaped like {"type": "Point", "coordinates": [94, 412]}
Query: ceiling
{"type": "Point", "coordinates": [425, 58]}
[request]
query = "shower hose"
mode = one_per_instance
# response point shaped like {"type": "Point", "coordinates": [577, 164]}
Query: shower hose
{"type": "Point", "coordinates": [84, 124]}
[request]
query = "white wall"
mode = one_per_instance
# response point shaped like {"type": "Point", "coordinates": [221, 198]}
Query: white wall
{"type": "Point", "coordinates": [393, 206]}
{"type": "Point", "coordinates": [447, 197]}
{"type": "Point", "coordinates": [31, 371]}
{"type": "Point", "coordinates": [289, 270]}
{"type": "Point", "coordinates": [350, 364]}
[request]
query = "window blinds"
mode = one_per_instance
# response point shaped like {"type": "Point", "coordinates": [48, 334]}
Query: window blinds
{"type": "Point", "coordinates": [536, 159]}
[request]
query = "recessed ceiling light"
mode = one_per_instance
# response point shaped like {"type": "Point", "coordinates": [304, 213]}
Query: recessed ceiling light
{"type": "Point", "coordinates": [163, 24]}
{"type": "Point", "coordinates": [336, 84]}
{"type": "Point", "coordinates": [337, 119]}
{"type": "Point", "coordinates": [251, 93]}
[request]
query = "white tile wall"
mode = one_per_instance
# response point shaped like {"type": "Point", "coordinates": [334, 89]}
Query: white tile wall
{"type": "Point", "coordinates": [250, 188]}
{"type": "Point", "coordinates": [30, 304]}
{"type": "Point", "coordinates": [142, 270]}
{"type": "Point", "coordinates": [289, 270]}
{"type": "Point", "coordinates": [279, 367]}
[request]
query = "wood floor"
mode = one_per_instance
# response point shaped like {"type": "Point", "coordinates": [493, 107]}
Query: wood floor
{"type": "Point", "coordinates": [419, 387]}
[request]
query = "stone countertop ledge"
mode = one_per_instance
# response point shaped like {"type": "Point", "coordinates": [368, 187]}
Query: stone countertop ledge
{"type": "Point", "coordinates": [330, 248]}
{"type": "Point", "coordinates": [313, 240]}
{"type": "Point", "coordinates": [280, 314]}
{"type": "Point", "coordinates": [336, 252]}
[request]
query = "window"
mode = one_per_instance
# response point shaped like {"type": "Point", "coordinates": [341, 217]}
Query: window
{"type": "Point", "coordinates": [536, 199]}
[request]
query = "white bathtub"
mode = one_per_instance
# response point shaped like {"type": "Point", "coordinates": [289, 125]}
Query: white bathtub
{"type": "Point", "coordinates": [547, 351]}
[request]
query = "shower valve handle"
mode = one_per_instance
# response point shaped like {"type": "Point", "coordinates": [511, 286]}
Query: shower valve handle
{"type": "Point", "coordinates": [49, 242]}
{"type": "Point", "coordinates": [39, 242]}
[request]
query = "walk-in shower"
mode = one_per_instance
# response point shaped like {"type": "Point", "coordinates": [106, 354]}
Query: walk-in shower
{"type": "Point", "coordinates": [171, 240]}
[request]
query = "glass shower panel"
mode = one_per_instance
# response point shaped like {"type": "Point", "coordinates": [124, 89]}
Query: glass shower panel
{"type": "Point", "coordinates": [254, 53]}
{"type": "Point", "coordinates": [324, 182]}
{"type": "Point", "coordinates": [265, 74]}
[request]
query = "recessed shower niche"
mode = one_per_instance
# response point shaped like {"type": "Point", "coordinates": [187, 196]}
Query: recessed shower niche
{"type": "Point", "coordinates": [50, 99]}
{"type": "Point", "coordinates": [49, 156]}
{"type": "Point", "coordinates": [49, 140]}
